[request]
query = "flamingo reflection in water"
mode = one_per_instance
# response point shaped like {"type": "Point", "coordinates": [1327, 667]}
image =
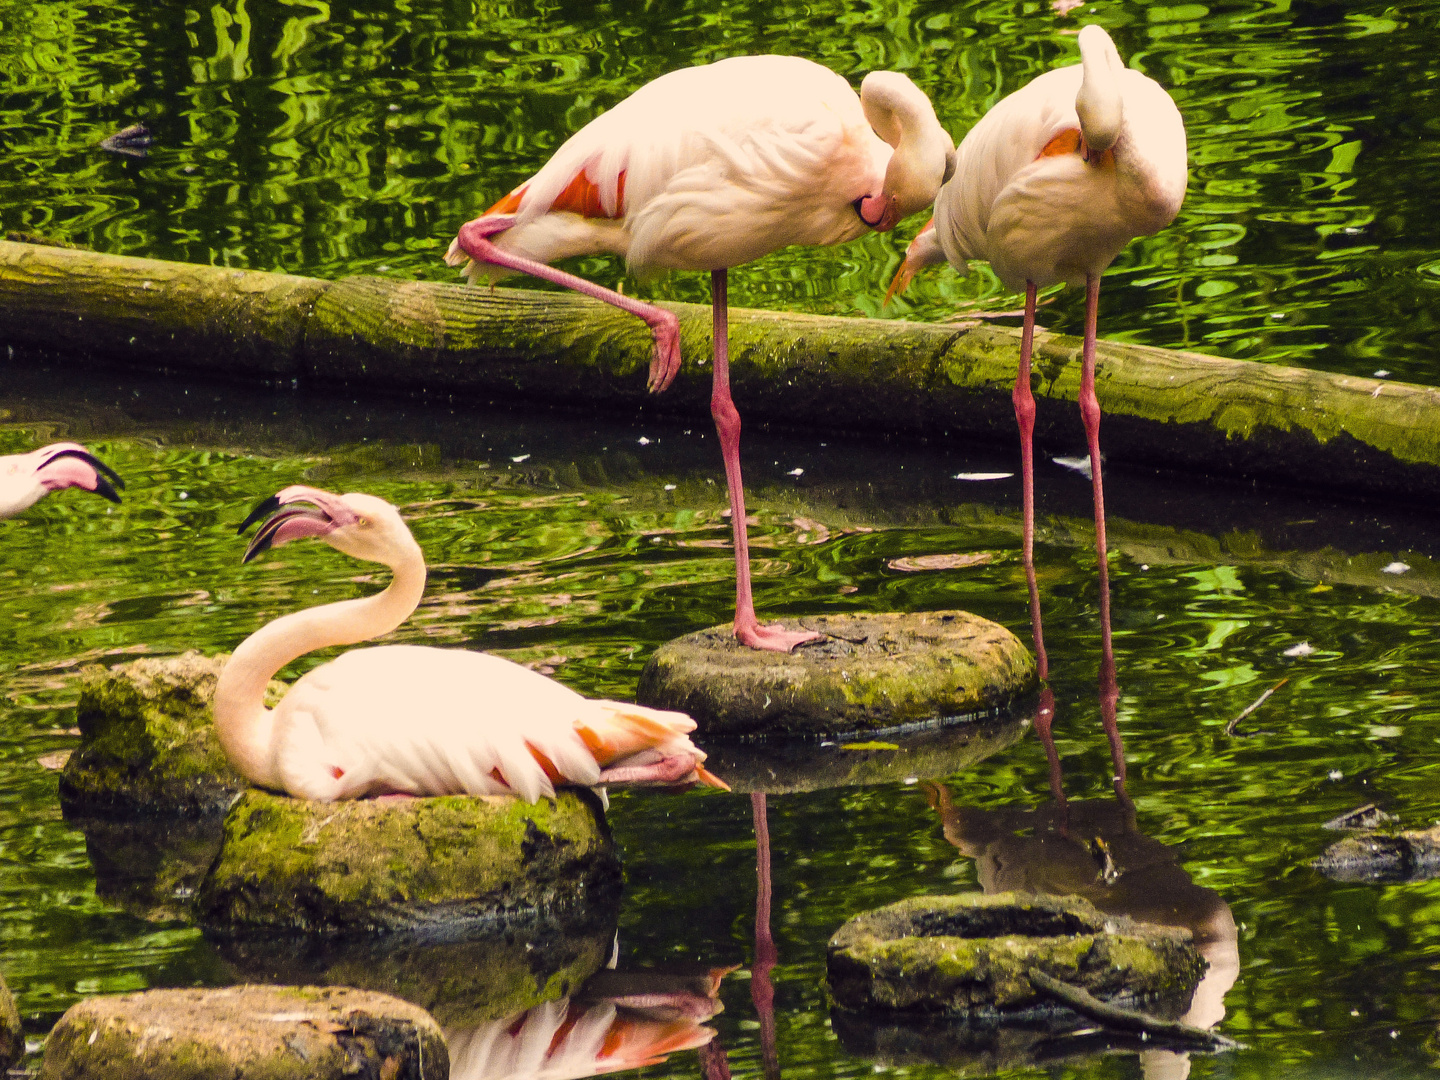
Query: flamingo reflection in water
{"type": "Point", "coordinates": [619, 1020]}
{"type": "Point", "coordinates": [1095, 849]}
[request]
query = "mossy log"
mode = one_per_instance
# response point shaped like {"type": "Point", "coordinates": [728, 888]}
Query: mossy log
{"type": "Point", "coordinates": [275, 1032]}
{"type": "Point", "coordinates": [970, 956]}
{"type": "Point", "coordinates": [434, 864]}
{"type": "Point", "coordinates": [1163, 407]}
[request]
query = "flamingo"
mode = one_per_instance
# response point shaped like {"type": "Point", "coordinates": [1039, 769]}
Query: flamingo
{"type": "Point", "coordinates": [25, 479]}
{"type": "Point", "coordinates": [707, 168]}
{"type": "Point", "coordinates": [413, 720]}
{"type": "Point", "coordinates": [1049, 186]}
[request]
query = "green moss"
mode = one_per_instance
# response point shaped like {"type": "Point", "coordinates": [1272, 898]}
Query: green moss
{"type": "Point", "coordinates": [871, 672]}
{"type": "Point", "coordinates": [326, 867]}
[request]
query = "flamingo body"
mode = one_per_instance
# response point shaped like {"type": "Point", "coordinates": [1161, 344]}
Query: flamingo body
{"type": "Point", "coordinates": [404, 719]}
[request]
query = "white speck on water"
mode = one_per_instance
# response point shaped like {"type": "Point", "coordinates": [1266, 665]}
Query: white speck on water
{"type": "Point", "coordinates": [1382, 374]}
{"type": "Point", "coordinates": [1394, 1034]}
{"type": "Point", "coordinates": [982, 476]}
{"type": "Point", "coordinates": [184, 495]}
{"type": "Point", "coordinates": [1078, 464]}
{"type": "Point", "coordinates": [1303, 649]}
{"type": "Point", "coordinates": [519, 458]}
{"type": "Point", "coordinates": [669, 487]}
{"type": "Point", "coordinates": [1160, 616]}
{"type": "Point", "coordinates": [1355, 1012]}
{"type": "Point", "coordinates": [643, 441]}
{"type": "Point", "coordinates": [827, 743]}
{"type": "Point", "coordinates": [383, 268]}
{"type": "Point", "coordinates": [1336, 774]}
{"type": "Point", "coordinates": [1144, 566]}
{"type": "Point", "coordinates": [912, 780]}
{"type": "Point", "coordinates": [1395, 568]}
{"type": "Point", "coordinates": [393, 108]}
{"type": "Point", "coordinates": [1277, 315]}
{"type": "Point", "coordinates": [796, 472]}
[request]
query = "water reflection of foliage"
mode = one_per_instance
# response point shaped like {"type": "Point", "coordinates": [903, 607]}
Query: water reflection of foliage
{"type": "Point", "coordinates": [334, 138]}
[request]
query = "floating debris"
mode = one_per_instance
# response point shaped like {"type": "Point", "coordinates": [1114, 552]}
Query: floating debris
{"type": "Point", "coordinates": [982, 476]}
{"type": "Point", "coordinates": [1396, 567]}
{"type": "Point", "coordinates": [1303, 649]}
{"type": "Point", "coordinates": [1078, 464]}
{"type": "Point", "coordinates": [519, 458]}
{"type": "Point", "coordinates": [1364, 817]}
{"type": "Point", "coordinates": [912, 564]}
{"type": "Point", "coordinates": [129, 142]}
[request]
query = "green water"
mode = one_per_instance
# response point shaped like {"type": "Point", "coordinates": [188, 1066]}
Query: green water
{"type": "Point", "coordinates": [329, 138]}
{"type": "Point", "coordinates": [581, 559]}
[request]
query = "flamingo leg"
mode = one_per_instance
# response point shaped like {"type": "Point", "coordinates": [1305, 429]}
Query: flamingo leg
{"type": "Point", "coordinates": [762, 991]}
{"type": "Point", "coordinates": [1090, 414]}
{"type": "Point", "coordinates": [727, 425]}
{"type": "Point", "coordinates": [1025, 417]}
{"type": "Point", "coordinates": [474, 239]}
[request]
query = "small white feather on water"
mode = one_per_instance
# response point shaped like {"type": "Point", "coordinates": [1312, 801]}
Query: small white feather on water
{"type": "Point", "coordinates": [1079, 464]}
{"type": "Point", "coordinates": [982, 476]}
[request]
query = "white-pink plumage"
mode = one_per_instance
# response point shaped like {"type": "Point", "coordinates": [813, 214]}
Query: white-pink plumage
{"type": "Point", "coordinates": [407, 719]}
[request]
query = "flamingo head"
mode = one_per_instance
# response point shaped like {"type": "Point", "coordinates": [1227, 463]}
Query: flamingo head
{"type": "Point", "coordinates": [923, 155]}
{"type": "Point", "coordinates": [362, 526]}
{"type": "Point", "coordinates": [27, 478]}
{"type": "Point", "coordinates": [1099, 104]}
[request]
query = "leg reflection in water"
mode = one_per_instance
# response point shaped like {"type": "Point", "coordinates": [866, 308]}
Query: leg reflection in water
{"type": "Point", "coordinates": [762, 991]}
{"type": "Point", "coordinates": [1094, 849]}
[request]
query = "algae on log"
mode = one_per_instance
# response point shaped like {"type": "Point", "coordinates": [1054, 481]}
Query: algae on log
{"type": "Point", "coordinates": [1162, 407]}
{"type": "Point", "coordinates": [870, 672]}
{"type": "Point", "coordinates": [276, 1032]}
{"type": "Point", "coordinates": [443, 863]}
{"type": "Point", "coordinates": [12, 1040]}
{"type": "Point", "coordinates": [152, 313]}
{"type": "Point", "coordinates": [968, 955]}
{"type": "Point", "coordinates": [147, 740]}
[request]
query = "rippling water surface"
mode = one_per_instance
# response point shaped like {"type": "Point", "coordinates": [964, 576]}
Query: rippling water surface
{"type": "Point", "coordinates": [328, 138]}
{"type": "Point", "coordinates": [563, 544]}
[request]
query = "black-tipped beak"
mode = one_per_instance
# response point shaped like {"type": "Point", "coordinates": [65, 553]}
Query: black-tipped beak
{"type": "Point", "coordinates": [107, 480]}
{"type": "Point", "coordinates": [303, 520]}
{"type": "Point", "coordinates": [262, 509]}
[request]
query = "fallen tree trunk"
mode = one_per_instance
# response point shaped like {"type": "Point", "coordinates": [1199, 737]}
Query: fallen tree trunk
{"type": "Point", "coordinates": [1162, 408]}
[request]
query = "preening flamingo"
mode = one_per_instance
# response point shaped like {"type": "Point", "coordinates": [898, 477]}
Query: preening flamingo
{"type": "Point", "coordinates": [408, 719]}
{"type": "Point", "coordinates": [707, 168]}
{"type": "Point", "coordinates": [1049, 186]}
{"type": "Point", "coordinates": [25, 479]}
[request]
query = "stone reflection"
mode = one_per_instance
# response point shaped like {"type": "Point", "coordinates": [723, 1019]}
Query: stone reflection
{"type": "Point", "coordinates": [618, 1020]}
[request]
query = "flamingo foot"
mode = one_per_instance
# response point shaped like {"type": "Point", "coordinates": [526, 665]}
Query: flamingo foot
{"type": "Point", "coordinates": [775, 637]}
{"type": "Point", "coordinates": [665, 362]}
{"type": "Point", "coordinates": [671, 769]}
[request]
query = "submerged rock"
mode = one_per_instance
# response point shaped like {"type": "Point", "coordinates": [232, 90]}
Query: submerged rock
{"type": "Point", "coordinates": [12, 1042]}
{"type": "Point", "coordinates": [969, 955]}
{"type": "Point", "coordinates": [407, 864]}
{"type": "Point", "coordinates": [869, 673]}
{"type": "Point", "coordinates": [275, 1032]}
{"type": "Point", "coordinates": [147, 740]}
{"type": "Point", "coordinates": [1383, 857]}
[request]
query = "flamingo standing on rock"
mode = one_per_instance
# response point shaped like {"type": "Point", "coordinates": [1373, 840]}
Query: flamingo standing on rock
{"type": "Point", "coordinates": [707, 168]}
{"type": "Point", "coordinates": [25, 479]}
{"type": "Point", "coordinates": [413, 720]}
{"type": "Point", "coordinates": [1049, 186]}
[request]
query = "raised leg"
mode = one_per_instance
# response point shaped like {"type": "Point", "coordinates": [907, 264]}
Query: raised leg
{"type": "Point", "coordinates": [1025, 418]}
{"type": "Point", "coordinates": [762, 991]}
{"type": "Point", "coordinates": [474, 240]}
{"type": "Point", "coordinates": [727, 425]}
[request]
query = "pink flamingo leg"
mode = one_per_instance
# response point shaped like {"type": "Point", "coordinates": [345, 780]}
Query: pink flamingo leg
{"type": "Point", "coordinates": [762, 991]}
{"type": "Point", "coordinates": [727, 425]}
{"type": "Point", "coordinates": [1025, 416]}
{"type": "Point", "coordinates": [474, 238]}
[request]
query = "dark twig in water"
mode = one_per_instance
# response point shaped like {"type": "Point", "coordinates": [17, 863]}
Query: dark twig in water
{"type": "Point", "coordinates": [1230, 727]}
{"type": "Point", "coordinates": [1362, 819]}
{"type": "Point", "coordinates": [838, 637]}
{"type": "Point", "coordinates": [1087, 1004]}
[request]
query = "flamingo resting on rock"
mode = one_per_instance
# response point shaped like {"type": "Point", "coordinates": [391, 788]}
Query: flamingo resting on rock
{"type": "Point", "coordinates": [413, 720]}
{"type": "Point", "coordinates": [707, 168]}
{"type": "Point", "coordinates": [25, 479]}
{"type": "Point", "coordinates": [1049, 186]}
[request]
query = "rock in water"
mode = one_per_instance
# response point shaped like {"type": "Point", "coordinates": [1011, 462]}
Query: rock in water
{"type": "Point", "coordinates": [147, 740]}
{"type": "Point", "coordinates": [275, 1032]}
{"type": "Point", "coordinates": [12, 1041]}
{"type": "Point", "coordinates": [869, 673]}
{"type": "Point", "coordinates": [322, 868]}
{"type": "Point", "coordinates": [967, 956]}
{"type": "Point", "coordinates": [1413, 855]}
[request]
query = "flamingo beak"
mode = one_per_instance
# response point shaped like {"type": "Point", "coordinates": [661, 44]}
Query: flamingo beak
{"type": "Point", "coordinates": [880, 212]}
{"type": "Point", "coordinates": [901, 281]}
{"type": "Point", "coordinates": [322, 513]}
{"type": "Point", "coordinates": [104, 482]}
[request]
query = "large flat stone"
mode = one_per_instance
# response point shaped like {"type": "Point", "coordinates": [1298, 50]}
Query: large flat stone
{"type": "Point", "coordinates": [871, 672]}
{"type": "Point", "coordinates": [246, 1033]}
{"type": "Point", "coordinates": [147, 740]}
{"type": "Point", "coordinates": [407, 864]}
{"type": "Point", "coordinates": [968, 956]}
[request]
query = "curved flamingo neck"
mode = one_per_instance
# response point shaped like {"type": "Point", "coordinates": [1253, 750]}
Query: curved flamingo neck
{"type": "Point", "coordinates": [246, 728]}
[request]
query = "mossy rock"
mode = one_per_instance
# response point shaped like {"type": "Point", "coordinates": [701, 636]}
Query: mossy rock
{"type": "Point", "coordinates": [242, 1032]}
{"type": "Point", "coordinates": [870, 672]}
{"type": "Point", "coordinates": [968, 956]}
{"type": "Point", "coordinates": [1389, 857]}
{"type": "Point", "coordinates": [12, 1040]}
{"type": "Point", "coordinates": [407, 864]}
{"type": "Point", "coordinates": [794, 765]}
{"type": "Point", "coordinates": [148, 742]}
{"type": "Point", "coordinates": [151, 867]}
{"type": "Point", "coordinates": [460, 983]}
